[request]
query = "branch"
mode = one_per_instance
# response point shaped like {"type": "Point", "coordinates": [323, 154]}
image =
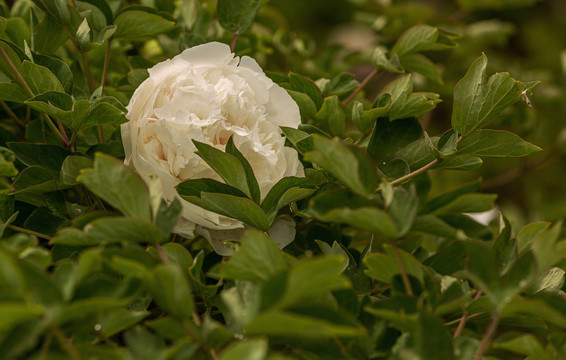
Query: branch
{"type": "Point", "coordinates": [404, 276]}
{"type": "Point", "coordinates": [29, 232]}
{"type": "Point", "coordinates": [487, 336]}
{"type": "Point", "coordinates": [15, 70]}
{"type": "Point", "coordinates": [105, 70]}
{"type": "Point", "coordinates": [360, 86]}
{"type": "Point", "coordinates": [233, 42]}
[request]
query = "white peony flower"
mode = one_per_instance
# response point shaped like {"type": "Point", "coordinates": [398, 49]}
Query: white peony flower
{"type": "Point", "coordinates": [207, 94]}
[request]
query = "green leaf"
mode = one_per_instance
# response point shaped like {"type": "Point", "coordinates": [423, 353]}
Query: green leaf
{"type": "Point", "coordinates": [56, 9]}
{"type": "Point", "coordinates": [39, 78]}
{"type": "Point", "coordinates": [422, 65]}
{"type": "Point", "coordinates": [59, 68]}
{"type": "Point", "coordinates": [49, 157]}
{"type": "Point", "coordinates": [279, 323]}
{"type": "Point", "coordinates": [7, 159]}
{"type": "Point", "coordinates": [403, 209]}
{"type": "Point", "coordinates": [237, 15]}
{"type": "Point", "coordinates": [118, 186]}
{"type": "Point", "coordinates": [71, 168]}
{"type": "Point", "coordinates": [468, 203]}
{"type": "Point", "coordinates": [400, 101]}
{"type": "Point", "coordinates": [36, 179]}
{"type": "Point", "coordinates": [349, 164]}
{"type": "Point", "coordinates": [250, 177]}
{"type": "Point", "coordinates": [118, 320]}
{"type": "Point", "coordinates": [449, 196]}
{"type": "Point", "coordinates": [529, 233]}
{"type": "Point", "coordinates": [463, 163]}
{"type": "Point", "coordinates": [194, 187]}
{"type": "Point", "coordinates": [477, 100]}
{"type": "Point", "coordinates": [13, 92]}
{"type": "Point", "coordinates": [504, 247]}
{"type": "Point", "coordinates": [253, 349]}
{"type": "Point", "coordinates": [287, 190]}
{"type": "Point", "coordinates": [332, 115]}
{"type": "Point", "coordinates": [432, 339]}
{"type": "Point", "coordinates": [228, 166]}
{"type": "Point", "coordinates": [525, 344]}
{"type": "Point", "coordinates": [307, 107]}
{"type": "Point", "coordinates": [495, 143]}
{"type": "Point", "coordinates": [551, 281]}
{"type": "Point", "coordinates": [343, 207]}
{"type": "Point", "coordinates": [139, 24]}
{"type": "Point", "coordinates": [312, 278]}
{"type": "Point", "coordinates": [110, 230]}
{"type": "Point", "coordinates": [239, 208]}
{"type": "Point", "coordinates": [170, 289]}
{"type": "Point", "coordinates": [481, 268]}
{"type": "Point", "coordinates": [305, 85]}
{"type": "Point", "coordinates": [547, 248]}
{"type": "Point", "coordinates": [380, 61]}
{"type": "Point", "coordinates": [257, 260]}
{"type": "Point", "coordinates": [388, 137]}
{"type": "Point", "coordinates": [383, 267]}
{"type": "Point", "coordinates": [302, 141]}
{"type": "Point", "coordinates": [61, 106]}
{"type": "Point", "coordinates": [416, 39]}
{"type": "Point", "coordinates": [13, 313]}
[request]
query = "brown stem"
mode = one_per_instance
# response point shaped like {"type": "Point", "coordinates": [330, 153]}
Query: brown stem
{"type": "Point", "coordinates": [105, 70]}
{"type": "Point", "coordinates": [487, 336]}
{"type": "Point", "coordinates": [15, 70]}
{"type": "Point", "coordinates": [29, 232]}
{"type": "Point", "coordinates": [360, 86]}
{"type": "Point", "coordinates": [67, 344]}
{"type": "Point", "coordinates": [54, 128]}
{"type": "Point", "coordinates": [89, 74]}
{"type": "Point", "coordinates": [404, 276]}
{"type": "Point", "coordinates": [465, 317]}
{"type": "Point", "coordinates": [233, 42]}
{"type": "Point", "coordinates": [12, 115]}
{"type": "Point", "coordinates": [162, 254]}
{"type": "Point", "coordinates": [415, 173]}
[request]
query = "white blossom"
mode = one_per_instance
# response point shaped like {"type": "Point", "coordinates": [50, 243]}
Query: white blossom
{"type": "Point", "coordinates": [208, 94]}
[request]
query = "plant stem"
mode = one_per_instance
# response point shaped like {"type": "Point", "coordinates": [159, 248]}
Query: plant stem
{"type": "Point", "coordinates": [162, 254]}
{"type": "Point", "coordinates": [55, 129]}
{"type": "Point", "coordinates": [464, 318]}
{"type": "Point", "coordinates": [487, 336]}
{"type": "Point", "coordinates": [29, 232]}
{"type": "Point", "coordinates": [105, 69]}
{"type": "Point", "coordinates": [415, 173]}
{"type": "Point", "coordinates": [233, 42]}
{"type": "Point", "coordinates": [360, 86]}
{"type": "Point", "coordinates": [67, 344]}
{"type": "Point", "coordinates": [15, 70]}
{"type": "Point", "coordinates": [87, 66]}
{"type": "Point", "coordinates": [12, 115]}
{"type": "Point", "coordinates": [404, 276]}
{"type": "Point", "coordinates": [72, 145]}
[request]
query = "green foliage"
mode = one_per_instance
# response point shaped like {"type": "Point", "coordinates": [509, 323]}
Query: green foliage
{"type": "Point", "coordinates": [400, 122]}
